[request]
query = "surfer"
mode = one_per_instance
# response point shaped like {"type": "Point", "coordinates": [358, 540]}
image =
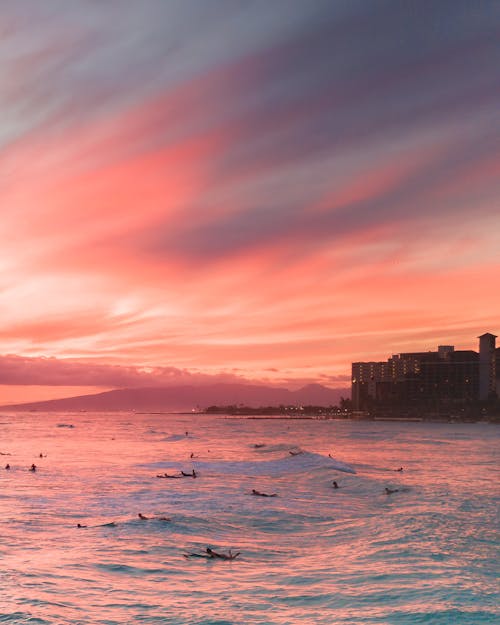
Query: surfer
{"type": "Point", "coordinates": [222, 556]}
{"type": "Point", "coordinates": [7, 466]}
{"type": "Point", "coordinates": [259, 494]}
{"type": "Point", "coordinates": [213, 555]}
{"type": "Point", "coordinates": [295, 453]}
{"type": "Point", "coordinates": [80, 525]}
{"type": "Point", "coordinates": [143, 517]}
{"type": "Point", "coordinates": [192, 474]}
{"type": "Point", "coordinates": [389, 491]}
{"type": "Point", "coordinates": [335, 485]}
{"type": "Point", "coordinates": [33, 467]}
{"type": "Point", "coordinates": [400, 469]}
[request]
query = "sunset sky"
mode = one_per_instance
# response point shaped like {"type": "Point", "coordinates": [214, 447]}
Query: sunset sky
{"type": "Point", "coordinates": [217, 190]}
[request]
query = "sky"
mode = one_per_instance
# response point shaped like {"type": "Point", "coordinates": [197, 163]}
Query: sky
{"type": "Point", "coordinates": [199, 191]}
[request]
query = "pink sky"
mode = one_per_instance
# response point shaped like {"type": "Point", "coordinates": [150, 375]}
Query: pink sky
{"type": "Point", "coordinates": [239, 203]}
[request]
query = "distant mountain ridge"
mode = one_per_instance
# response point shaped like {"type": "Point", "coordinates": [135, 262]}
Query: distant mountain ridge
{"type": "Point", "coordinates": [158, 399]}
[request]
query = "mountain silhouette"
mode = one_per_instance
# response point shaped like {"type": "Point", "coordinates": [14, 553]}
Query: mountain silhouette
{"type": "Point", "coordinates": [175, 398]}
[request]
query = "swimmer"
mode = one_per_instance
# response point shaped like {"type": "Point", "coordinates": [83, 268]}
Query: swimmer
{"type": "Point", "coordinates": [335, 485]}
{"type": "Point", "coordinates": [33, 467]}
{"type": "Point", "coordinates": [259, 494]}
{"type": "Point", "coordinates": [389, 491]}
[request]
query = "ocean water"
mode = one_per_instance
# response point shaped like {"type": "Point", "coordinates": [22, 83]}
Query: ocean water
{"type": "Point", "coordinates": [427, 553]}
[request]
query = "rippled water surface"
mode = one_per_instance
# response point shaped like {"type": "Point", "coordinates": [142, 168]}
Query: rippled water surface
{"type": "Point", "coordinates": [427, 553]}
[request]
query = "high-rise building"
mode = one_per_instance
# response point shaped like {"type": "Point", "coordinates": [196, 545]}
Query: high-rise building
{"type": "Point", "coordinates": [487, 366]}
{"type": "Point", "coordinates": [435, 378]}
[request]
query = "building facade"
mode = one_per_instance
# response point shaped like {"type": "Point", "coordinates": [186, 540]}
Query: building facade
{"type": "Point", "coordinates": [487, 366]}
{"type": "Point", "coordinates": [432, 379]}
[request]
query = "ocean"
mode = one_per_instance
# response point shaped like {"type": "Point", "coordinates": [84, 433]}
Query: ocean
{"type": "Point", "coordinates": [425, 553]}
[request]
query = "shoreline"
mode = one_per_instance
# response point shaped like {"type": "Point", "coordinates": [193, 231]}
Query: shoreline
{"type": "Point", "coordinates": [486, 420]}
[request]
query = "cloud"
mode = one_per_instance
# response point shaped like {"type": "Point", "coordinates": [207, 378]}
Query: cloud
{"type": "Point", "coordinates": [224, 186]}
{"type": "Point", "coordinates": [17, 370]}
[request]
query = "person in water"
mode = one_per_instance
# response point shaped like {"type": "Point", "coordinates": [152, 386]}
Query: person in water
{"type": "Point", "coordinates": [259, 494]}
{"type": "Point", "coordinates": [222, 556]}
{"type": "Point", "coordinates": [210, 554]}
{"type": "Point", "coordinates": [148, 518]}
{"type": "Point", "coordinates": [389, 491]}
{"type": "Point", "coordinates": [335, 485]}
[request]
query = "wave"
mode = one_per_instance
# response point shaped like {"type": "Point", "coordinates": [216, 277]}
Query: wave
{"type": "Point", "coordinates": [126, 569]}
{"type": "Point", "coordinates": [22, 617]}
{"type": "Point", "coordinates": [174, 438]}
{"type": "Point", "coordinates": [265, 448]}
{"type": "Point", "coordinates": [300, 463]}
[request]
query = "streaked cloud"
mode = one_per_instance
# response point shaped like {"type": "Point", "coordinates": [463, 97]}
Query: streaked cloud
{"type": "Point", "coordinates": [274, 189]}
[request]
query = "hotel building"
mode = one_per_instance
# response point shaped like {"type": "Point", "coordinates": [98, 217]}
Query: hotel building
{"type": "Point", "coordinates": [446, 376]}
